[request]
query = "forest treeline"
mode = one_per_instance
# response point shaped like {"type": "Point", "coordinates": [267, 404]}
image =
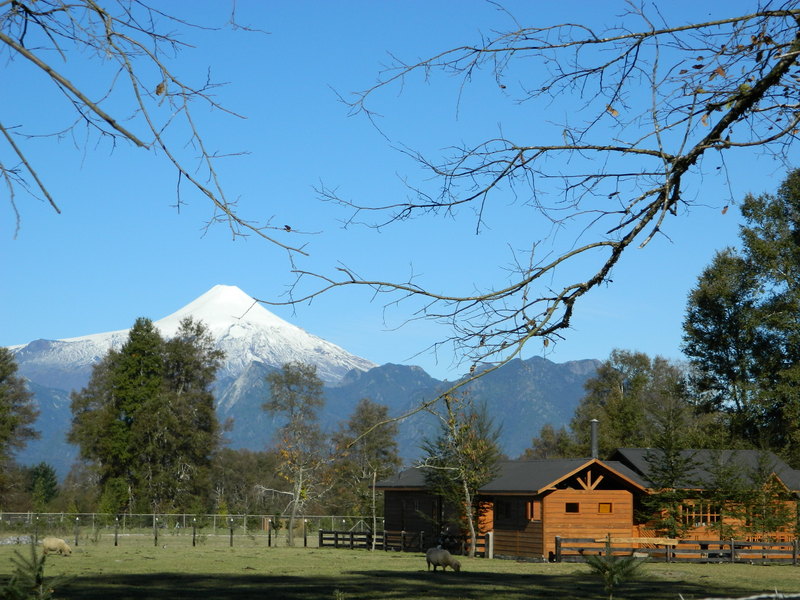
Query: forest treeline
{"type": "Point", "coordinates": [737, 387]}
{"type": "Point", "coordinates": [150, 441]}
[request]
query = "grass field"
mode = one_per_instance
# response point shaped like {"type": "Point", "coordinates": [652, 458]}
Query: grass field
{"type": "Point", "coordinates": [136, 569]}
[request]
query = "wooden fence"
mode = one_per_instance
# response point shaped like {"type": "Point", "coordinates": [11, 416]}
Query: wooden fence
{"type": "Point", "coordinates": [400, 541]}
{"type": "Point", "coordinates": [700, 551]}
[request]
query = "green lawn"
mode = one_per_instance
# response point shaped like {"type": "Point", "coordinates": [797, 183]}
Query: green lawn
{"type": "Point", "coordinates": [138, 570]}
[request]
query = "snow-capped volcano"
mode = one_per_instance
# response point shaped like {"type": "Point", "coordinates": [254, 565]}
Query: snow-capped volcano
{"type": "Point", "coordinates": [242, 328]}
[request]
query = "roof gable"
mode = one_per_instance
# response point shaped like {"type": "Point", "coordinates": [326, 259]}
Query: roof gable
{"type": "Point", "coordinates": [537, 476]}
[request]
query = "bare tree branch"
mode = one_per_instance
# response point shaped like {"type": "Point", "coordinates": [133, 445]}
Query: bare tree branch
{"type": "Point", "coordinates": [650, 103]}
{"type": "Point", "coordinates": [131, 35]}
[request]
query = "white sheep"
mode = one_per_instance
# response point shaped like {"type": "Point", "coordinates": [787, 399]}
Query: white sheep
{"type": "Point", "coordinates": [51, 544]}
{"type": "Point", "coordinates": [439, 557]}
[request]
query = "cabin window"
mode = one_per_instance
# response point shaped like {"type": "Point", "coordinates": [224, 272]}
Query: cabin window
{"type": "Point", "coordinates": [700, 514]}
{"type": "Point", "coordinates": [502, 509]}
{"type": "Point", "coordinates": [572, 507]}
{"type": "Point", "coordinates": [604, 508]}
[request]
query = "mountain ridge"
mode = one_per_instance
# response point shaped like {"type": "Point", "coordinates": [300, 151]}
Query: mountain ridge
{"type": "Point", "coordinates": [523, 395]}
{"type": "Point", "coordinates": [241, 327]}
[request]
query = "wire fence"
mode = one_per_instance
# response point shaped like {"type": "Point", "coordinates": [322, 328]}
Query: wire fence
{"type": "Point", "coordinates": [175, 529]}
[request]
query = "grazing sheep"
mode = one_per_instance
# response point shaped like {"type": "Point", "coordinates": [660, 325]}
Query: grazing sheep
{"type": "Point", "coordinates": [441, 558]}
{"type": "Point", "coordinates": [51, 544]}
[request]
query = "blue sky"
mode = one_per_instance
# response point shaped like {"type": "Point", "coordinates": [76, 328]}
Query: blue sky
{"type": "Point", "coordinates": [120, 249]}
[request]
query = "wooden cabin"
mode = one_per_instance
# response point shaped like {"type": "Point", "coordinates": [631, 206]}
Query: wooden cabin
{"type": "Point", "coordinates": [529, 503]}
{"type": "Point", "coordinates": [535, 501]}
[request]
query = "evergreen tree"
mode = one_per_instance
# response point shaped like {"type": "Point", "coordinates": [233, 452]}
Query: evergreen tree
{"type": "Point", "coordinates": [17, 414]}
{"type": "Point", "coordinates": [146, 420]}
{"type": "Point", "coordinates": [742, 330]}
{"type": "Point", "coordinates": [722, 338]}
{"type": "Point", "coordinates": [296, 394]}
{"type": "Point", "coordinates": [42, 485]}
{"type": "Point", "coordinates": [726, 492]}
{"type": "Point", "coordinates": [179, 432]}
{"type": "Point", "coordinates": [671, 468]}
{"type": "Point", "coordinates": [768, 505]}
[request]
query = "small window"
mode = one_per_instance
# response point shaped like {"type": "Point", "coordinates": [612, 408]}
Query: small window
{"type": "Point", "coordinates": [572, 507]}
{"type": "Point", "coordinates": [604, 508]}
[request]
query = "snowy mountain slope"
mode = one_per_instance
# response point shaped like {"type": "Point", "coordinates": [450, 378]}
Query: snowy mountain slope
{"type": "Point", "coordinates": [242, 328]}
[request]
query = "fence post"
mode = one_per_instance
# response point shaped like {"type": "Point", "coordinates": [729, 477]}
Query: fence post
{"type": "Point", "coordinates": [230, 524]}
{"type": "Point", "coordinates": [116, 530]}
{"type": "Point", "coordinates": [794, 552]}
{"type": "Point", "coordinates": [733, 550]}
{"type": "Point", "coordinates": [558, 548]}
{"type": "Point", "coordinates": [194, 532]}
{"type": "Point", "coordinates": [385, 545]}
{"type": "Point", "coordinates": [422, 541]}
{"type": "Point", "coordinates": [77, 521]}
{"type": "Point", "coordinates": [489, 545]}
{"type": "Point", "coordinates": [402, 541]}
{"type": "Point", "coordinates": [319, 544]}
{"type": "Point", "coordinates": [305, 533]}
{"type": "Point", "coordinates": [155, 530]}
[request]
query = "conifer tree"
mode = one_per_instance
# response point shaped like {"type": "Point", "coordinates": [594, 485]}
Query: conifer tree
{"type": "Point", "coordinates": [17, 412]}
{"type": "Point", "coordinates": [146, 420]}
{"type": "Point", "coordinates": [671, 469]}
{"type": "Point", "coordinates": [742, 327]}
{"type": "Point", "coordinates": [42, 485]}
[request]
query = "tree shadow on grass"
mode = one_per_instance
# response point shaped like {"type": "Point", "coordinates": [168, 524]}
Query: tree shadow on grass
{"type": "Point", "coordinates": [367, 585]}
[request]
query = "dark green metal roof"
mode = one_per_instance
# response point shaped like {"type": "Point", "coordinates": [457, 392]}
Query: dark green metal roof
{"type": "Point", "coordinates": [519, 476]}
{"type": "Point", "coordinates": [748, 462]}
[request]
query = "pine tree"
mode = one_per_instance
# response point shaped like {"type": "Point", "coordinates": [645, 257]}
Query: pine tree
{"type": "Point", "coordinates": [146, 420]}
{"type": "Point", "coordinates": [551, 443]}
{"type": "Point", "coordinates": [18, 413]}
{"type": "Point", "coordinates": [726, 492]}
{"type": "Point", "coordinates": [671, 468]}
{"type": "Point", "coordinates": [42, 485]}
{"type": "Point", "coordinates": [769, 505]}
{"type": "Point", "coordinates": [742, 330]}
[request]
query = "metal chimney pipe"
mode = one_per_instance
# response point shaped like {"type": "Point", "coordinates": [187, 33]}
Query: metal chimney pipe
{"type": "Point", "coordinates": [595, 442]}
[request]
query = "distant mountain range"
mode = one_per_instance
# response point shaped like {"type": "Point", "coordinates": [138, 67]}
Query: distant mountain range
{"type": "Point", "coordinates": [522, 396]}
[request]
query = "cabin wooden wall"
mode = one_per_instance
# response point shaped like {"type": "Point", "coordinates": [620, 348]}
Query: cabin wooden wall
{"type": "Point", "coordinates": [411, 511]}
{"type": "Point", "coordinates": [589, 521]}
